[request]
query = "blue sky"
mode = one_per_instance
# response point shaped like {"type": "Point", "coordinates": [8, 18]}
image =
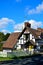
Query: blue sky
{"type": "Point", "coordinates": [13, 13]}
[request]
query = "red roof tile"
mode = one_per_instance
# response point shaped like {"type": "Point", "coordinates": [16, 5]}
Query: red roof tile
{"type": "Point", "coordinates": [11, 41]}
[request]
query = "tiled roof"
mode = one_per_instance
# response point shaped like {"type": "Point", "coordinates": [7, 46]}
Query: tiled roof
{"type": "Point", "coordinates": [35, 32]}
{"type": "Point", "coordinates": [11, 41]}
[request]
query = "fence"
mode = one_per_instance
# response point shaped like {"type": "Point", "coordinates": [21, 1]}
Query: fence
{"type": "Point", "coordinates": [3, 54]}
{"type": "Point", "coordinates": [15, 53]}
{"type": "Point", "coordinates": [18, 53]}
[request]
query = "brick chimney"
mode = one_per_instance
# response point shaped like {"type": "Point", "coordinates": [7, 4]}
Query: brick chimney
{"type": "Point", "coordinates": [27, 24]}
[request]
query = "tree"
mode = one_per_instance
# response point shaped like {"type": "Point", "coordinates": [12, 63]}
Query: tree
{"type": "Point", "coordinates": [6, 36]}
{"type": "Point", "coordinates": [1, 36]}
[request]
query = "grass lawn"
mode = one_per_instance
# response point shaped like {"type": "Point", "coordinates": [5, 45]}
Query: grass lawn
{"type": "Point", "coordinates": [21, 57]}
{"type": "Point", "coordinates": [5, 58]}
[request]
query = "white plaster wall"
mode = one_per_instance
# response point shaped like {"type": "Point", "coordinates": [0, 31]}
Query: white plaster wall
{"type": "Point", "coordinates": [19, 44]}
{"type": "Point", "coordinates": [19, 47]}
{"type": "Point", "coordinates": [22, 41]}
{"type": "Point", "coordinates": [7, 50]}
{"type": "Point", "coordinates": [19, 41]}
{"type": "Point", "coordinates": [33, 40]}
{"type": "Point", "coordinates": [30, 36]}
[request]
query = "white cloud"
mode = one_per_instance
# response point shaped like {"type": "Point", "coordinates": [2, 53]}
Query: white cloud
{"type": "Point", "coordinates": [18, 27]}
{"type": "Point", "coordinates": [5, 21]}
{"type": "Point", "coordinates": [36, 10]}
{"type": "Point", "coordinates": [5, 31]}
{"type": "Point", "coordinates": [34, 24]}
{"type": "Point", "coordinates": [18, 0]}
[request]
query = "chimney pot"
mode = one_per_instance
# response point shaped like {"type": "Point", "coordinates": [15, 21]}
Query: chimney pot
{"type": "Point", "coordinates": [27, 24]}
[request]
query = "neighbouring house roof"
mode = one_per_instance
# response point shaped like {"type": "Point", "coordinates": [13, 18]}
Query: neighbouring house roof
{"type": "Point", "coordinates": [40, 29]}
{"type": "Point", "coordinates": [11, 41]}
